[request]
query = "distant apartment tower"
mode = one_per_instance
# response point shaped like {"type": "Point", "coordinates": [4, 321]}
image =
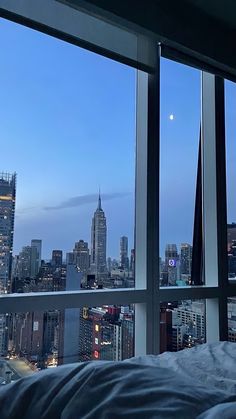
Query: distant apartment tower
{"type": "Point", "coordinates": [69, 258]}
{"type": "Point", "coordinates": [3, 334]}
{"type": "Point", "coordinates": [124, 259]}
{"type": "Point", "coordinates": [98, 242]}
{"type": "Point", "coordinates": [24, 263]}
{"type": "Point", "coordinates": [29, 261]}
{"type": "Point", "coordinates": [106, 333]}
{"type": "Point", "coordinates": [28, 335]}
{"type": "Point", "coordinates": [100, 335]}
{"type": "Point", "coordinates": [81, 256]}
{"type": "Point", "coordinates": [171, 262]}
{"type": "Point", "coordinates": [192, 314]}
{"type": "Point", "coordinates": [36, 251]}
{"type": "Point", "coordinates": [57, 258]}
{"type": "Point", "coordinates": [7, 214]}
{"type": "Point", "coordinates": [185, 258]}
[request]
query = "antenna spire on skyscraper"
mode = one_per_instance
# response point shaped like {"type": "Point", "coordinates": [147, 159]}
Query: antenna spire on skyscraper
{"type": "Point", "coordinates": [99, 200]}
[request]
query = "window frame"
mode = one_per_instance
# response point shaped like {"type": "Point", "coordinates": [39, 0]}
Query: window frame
{"type": "Point", "coordinates": [147, 295]}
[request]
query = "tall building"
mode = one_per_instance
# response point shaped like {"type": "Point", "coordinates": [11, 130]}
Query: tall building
{"type": "Point", "coordinates": [124, 259]}
{"type": "Point", "coordinates": [70, 321]}
{"type": "Point", "coordinates": [81, 256]}
{"type": "Point", "coordinates": [36, 250]}
{"type": "Point", "coordinates": [106, 333]}
{"type": "Point", "coordinates": [69, 258]}
{"type": "Point", "coordinates": [98, 242]}
{"type": "Point", "coordinates": [7, 214]}
{"type": "Point", "coordinates": [185, 258]}
{"type": "Point", "coordinates": [171, 259]}
{"type": "Point", "coordinates": [28, 335]}
{"type": "Point", "coordinates": [192, 314]}
{"type": "Point", "coordinates": [3, 334]}
{"type": "Point", "coordinates": [50, 323]}
{"type": "Point", "coordinates": [57, 258]}
{"type": "Point", "coordinates": [24, 268]}
{"type": "Point", "coordinates": [29, 261]}
{"type": "Point", "coordinates": [231, 247]}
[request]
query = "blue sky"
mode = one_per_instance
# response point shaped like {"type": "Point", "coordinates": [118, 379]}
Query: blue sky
{"type": "Point", "coordinates": [180, 97]}
{"type": "Point", "coordinates": [68, 127]}
{"type": "Point", "coordinates": [230, 131]}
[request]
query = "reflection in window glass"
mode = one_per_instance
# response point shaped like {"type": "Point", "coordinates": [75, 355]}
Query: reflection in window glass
{"type": "Point", "coordinates": [180, 130]}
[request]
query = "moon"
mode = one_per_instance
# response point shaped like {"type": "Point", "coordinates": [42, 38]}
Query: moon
{"type": "Point", "coordinates": [171, 116]}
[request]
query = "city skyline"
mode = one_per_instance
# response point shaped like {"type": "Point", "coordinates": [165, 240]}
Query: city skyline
{"type": "Point", "coordinates": [69, 135]}
{"type": "Point", "coordinates": [75, 134]}
{"type": "Point", "coordinates": [62, 127]}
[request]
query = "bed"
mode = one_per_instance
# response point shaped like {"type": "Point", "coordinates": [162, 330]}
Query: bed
{"type": "Point", "coordinates": [193, 383]}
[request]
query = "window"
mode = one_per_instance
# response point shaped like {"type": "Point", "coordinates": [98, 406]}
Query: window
{"type": "Point", "coordinates": [179, 147]}
{"type": "Point", "coordinates": [230, 97]}
{"type": "Point", "coordinates": [122, 158]}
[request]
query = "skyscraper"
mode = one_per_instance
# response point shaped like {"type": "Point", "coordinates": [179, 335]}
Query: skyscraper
{"type": "Point", "coordinates": [81, 256]}
{"type": "Point", "coordinates": [124, 259]}
{"type": "Point", "coordinates": [24, 265]}
{"type": "Point", "coordinates": [7, 214]}
{"type": "Point", "coordinates": [69, 339]}
{"type": "Point", "coordinates": [36, 250]}
{"type": "Point", "coordinates": [171, 259]}
{"type": "Point", "coordinates": [98, 242]}
{"type": "Point", "coordinates": [185, 258]}
{"type": "Point", "coordinates": [57, 258]}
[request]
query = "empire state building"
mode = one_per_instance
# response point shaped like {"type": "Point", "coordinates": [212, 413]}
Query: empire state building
{"type": "Point", "coordinates": [99, 241]}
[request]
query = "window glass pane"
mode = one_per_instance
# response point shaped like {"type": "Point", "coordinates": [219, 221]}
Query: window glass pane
{"type": "Point", "coordinates": [37, 340]}
{"type": "Point", "coordinates": [182, 325]}
{"type": "Point", "coordinates": [230, 129]}
{"type": "Point", "coordinates": [180, 132]}
{"type": "Point", "coordinates": [68, 132]}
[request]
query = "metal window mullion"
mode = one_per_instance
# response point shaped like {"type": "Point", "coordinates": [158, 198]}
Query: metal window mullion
{"type": "Point", "coordinates": [141, 209]}
{"type": "Point", "coordinates": [209, 200]}
{"type": "Point", "coordinates": [153, 308]}
{"type": "Point", "coordinates": [73, 299]}
{"type": "Point", "coordinates": [146, 212]}
{"type": "Point", "coordinates": [214, 204]}
{"type": "Point", "coordinates": [221, 206]}
{"type": "Point", "coordinates": [188, 293]}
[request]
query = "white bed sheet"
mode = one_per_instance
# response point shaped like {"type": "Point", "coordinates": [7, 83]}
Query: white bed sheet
{"type": "Point", "coordinates": [186, 384]}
